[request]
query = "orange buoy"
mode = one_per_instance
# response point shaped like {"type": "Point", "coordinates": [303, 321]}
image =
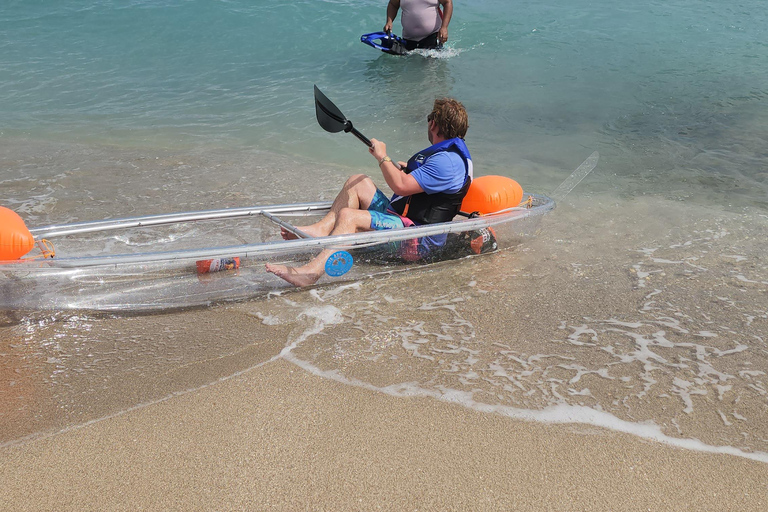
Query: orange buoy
{"type": "Point", "coordinates": [488, 194]}
{"type": "Point", "coordinates": [15, 238]}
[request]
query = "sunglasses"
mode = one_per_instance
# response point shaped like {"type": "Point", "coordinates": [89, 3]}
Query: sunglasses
{"type": "Point", "coordinates": [431, 117]}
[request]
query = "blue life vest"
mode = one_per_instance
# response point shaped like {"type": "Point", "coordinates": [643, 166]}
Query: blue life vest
{"type": "Point", "coordinates": [426, 208]}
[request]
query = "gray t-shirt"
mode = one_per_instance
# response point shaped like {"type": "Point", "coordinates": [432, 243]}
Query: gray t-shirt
{"type": "Point", "coordinates": [420, 18]}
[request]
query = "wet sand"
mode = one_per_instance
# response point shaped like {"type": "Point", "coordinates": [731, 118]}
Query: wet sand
{"type": "Point", "coordinates": [277, 437]}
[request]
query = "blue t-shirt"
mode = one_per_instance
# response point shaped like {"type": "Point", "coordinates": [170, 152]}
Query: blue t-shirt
{"type": "Point", "coordinates": [442, 172]}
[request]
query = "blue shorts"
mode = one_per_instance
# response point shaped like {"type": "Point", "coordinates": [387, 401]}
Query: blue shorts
{"type": "Point", "coordinates": [380, 217]}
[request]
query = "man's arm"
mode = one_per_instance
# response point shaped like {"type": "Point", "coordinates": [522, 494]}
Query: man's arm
{"type": "Point", "coordinates": [442, 36]}
{"type": "Point", "coordinates": [399, 182]}
{"type": "Point", "coordinates": [392, 8]}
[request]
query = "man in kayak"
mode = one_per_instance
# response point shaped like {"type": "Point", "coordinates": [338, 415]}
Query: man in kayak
{"type": "Point", "coordinates": [429, 188]}
{"type": "Point", "coordinates": [424, 24]}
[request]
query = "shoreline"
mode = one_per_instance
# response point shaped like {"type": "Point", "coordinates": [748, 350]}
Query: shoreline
{"type": "Point", "coordinates": [280, 437]}
{"type": "Point", "coordinates": [651, 310]}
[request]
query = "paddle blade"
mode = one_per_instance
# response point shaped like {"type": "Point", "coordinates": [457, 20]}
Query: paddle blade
{"type": "Point", "coordinates": [328, 115]}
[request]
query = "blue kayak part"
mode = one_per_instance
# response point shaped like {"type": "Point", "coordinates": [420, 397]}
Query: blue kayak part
{"type": "Point", "coordinates": [339, 263]}
{"type": "Point", "coordinates": [386, 42]}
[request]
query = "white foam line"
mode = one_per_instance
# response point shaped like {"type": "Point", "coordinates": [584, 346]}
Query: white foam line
{"type": "Point", "coordinates": [742, 278]}
{"type": "Point", "coordinates": [557, 414]}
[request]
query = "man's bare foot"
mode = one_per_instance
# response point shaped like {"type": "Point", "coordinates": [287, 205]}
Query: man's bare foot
{"type": "Point", "coordinates": [312, 231]}
{"type": "Point", "coordinates": [295, 276]}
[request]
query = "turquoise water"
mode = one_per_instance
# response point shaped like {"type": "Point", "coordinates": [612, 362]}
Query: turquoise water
{"type": "Point", "coordinates": [672, 94]}
{"type": "Point", "coordinates": [640, 305]}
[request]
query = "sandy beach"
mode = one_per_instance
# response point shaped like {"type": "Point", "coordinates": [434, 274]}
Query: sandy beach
{"type": "Point", "coordinates": [615, 358]}
{"type": "Point", "coordinates": [258, 432]}
{"type": "Point", "coordinates": [279, 438]}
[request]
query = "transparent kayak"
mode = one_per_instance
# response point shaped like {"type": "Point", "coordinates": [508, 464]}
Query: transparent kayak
{"type": "Point", "coordinates": [166, 261]}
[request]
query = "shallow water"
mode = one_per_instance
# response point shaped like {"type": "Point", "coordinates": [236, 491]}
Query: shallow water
{"type": "Point", "coordinates": [639, 306]}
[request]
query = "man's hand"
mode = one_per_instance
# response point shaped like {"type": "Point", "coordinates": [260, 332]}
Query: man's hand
{"type": "Point", "coordinates": [442, 36]}
{"type": "Point", "coordinates": [378, 149]}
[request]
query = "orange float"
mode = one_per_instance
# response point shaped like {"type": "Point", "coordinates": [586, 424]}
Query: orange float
{"type": "Point", "coordinates": [15, 238]}
{"type": "Point", "coordinates": [488, 194]}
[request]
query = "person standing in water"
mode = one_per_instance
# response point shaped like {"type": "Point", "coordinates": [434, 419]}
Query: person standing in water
{"type": "Point", "coordinates": [424, 24]}
{"type": "Point", "coordinates": [429, 188]}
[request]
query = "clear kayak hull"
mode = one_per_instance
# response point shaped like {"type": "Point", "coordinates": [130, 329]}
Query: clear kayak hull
{"type": "Point", "coordinates": [152, 262]}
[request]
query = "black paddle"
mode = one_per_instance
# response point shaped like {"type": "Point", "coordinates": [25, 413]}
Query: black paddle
{"type": "Point", "coordinates": [332, 120]}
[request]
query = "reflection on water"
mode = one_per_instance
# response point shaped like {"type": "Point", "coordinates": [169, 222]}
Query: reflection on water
{"type": "Point", "coordinates": [22, 388]}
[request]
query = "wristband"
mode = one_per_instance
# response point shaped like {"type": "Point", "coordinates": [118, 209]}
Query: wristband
{"type": "Point", "coordinates": [385, 159]}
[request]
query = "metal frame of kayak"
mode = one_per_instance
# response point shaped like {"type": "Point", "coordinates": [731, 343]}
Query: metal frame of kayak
{"type": "Point", "coordinates": [175, 218]}
{"type": "Point", "coordinates": [541, 204]}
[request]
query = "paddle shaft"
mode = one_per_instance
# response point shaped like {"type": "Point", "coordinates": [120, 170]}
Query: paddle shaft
{"type": "Point", "coordinates": [351, 129]}
{"type": "Point", "coordinates": [333, 120]}
{"type": "Point", "coordinates": [366, 141]}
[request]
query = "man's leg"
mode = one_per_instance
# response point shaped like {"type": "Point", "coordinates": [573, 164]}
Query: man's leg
{"type": "Point", "coordinates": [348, 220]}
{"type": "Point", "coordinates": [357, 193]}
